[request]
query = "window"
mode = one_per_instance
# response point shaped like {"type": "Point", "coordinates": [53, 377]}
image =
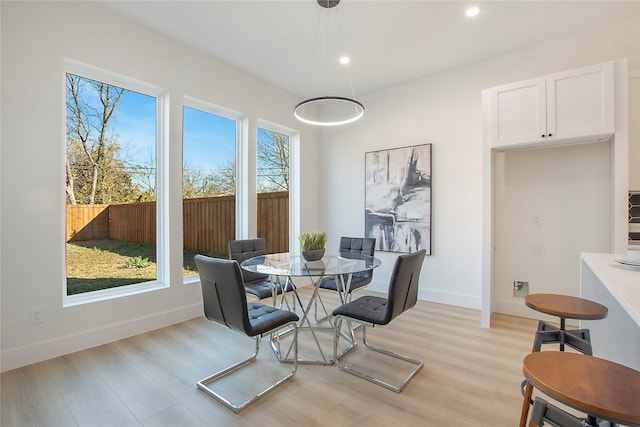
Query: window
{"type": "Point", "coordinates": [112, 195]}
{"type": "Point", "coordinates": [208, 182]}
{"type": "Point", "coordinates": [272, 182]}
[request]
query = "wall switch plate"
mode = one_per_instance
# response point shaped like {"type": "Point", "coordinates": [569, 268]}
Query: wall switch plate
{"type": "Point", "coordinates": [538, 250]}
{"type": "Point", "coordinates": [536, 219]}
{"type": "Point", "coordinates": [37, 315]}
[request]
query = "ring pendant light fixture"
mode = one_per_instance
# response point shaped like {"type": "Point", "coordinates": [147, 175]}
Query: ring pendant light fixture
{"type": "Point", "coordinates": [329, 110]}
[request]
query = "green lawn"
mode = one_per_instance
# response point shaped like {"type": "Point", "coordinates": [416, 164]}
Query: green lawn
{"type": "Point", "coordinates": [101, 264]}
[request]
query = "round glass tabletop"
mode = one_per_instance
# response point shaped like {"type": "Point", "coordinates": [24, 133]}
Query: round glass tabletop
{"type": "Point", "coordinates": [285, 264]}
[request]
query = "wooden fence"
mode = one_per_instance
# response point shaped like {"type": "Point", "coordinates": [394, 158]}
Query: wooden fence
{"type": "Point", "coordinates": [208, 223]}
{"type": "Point", "coordinates": [87, 222]}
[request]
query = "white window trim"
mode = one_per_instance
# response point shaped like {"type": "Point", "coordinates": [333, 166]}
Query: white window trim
{"type": "Point", "coordinates": [162, 204]}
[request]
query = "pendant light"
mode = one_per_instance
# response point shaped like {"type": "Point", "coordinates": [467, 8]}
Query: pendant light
{"type": "Point", "coordinates": [329, 110]}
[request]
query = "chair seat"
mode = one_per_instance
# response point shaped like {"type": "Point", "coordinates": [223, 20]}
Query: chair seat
{"type": "Point", "coordinates": [330, 283]}
{"type": "Point", "coordinates": [261, 289]}
{"type": "Point", "coordinates": [370, 309]}
{"type": "Point", "coordinates": [263, 318]}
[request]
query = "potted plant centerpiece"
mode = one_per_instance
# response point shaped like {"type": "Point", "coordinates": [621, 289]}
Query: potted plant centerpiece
{"type": "Point", "coordinates": [312, 244]}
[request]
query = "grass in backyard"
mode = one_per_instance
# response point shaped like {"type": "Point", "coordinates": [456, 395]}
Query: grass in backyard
{"type": "Point", "coordinates": [102, 264]}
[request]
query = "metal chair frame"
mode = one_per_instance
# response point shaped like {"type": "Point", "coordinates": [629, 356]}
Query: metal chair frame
{"type": "Point", "coordinates": [402, 296]}
{"type": "Point", "coordinates": [369, 376]}
{"type": "Point", "coordinates": [235, 407]}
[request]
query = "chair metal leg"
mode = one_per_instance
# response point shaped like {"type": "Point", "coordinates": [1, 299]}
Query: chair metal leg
{"type": "Point", "coordinates": [204, 383]}
{"type": "Point", "coordinates": [370, 377]}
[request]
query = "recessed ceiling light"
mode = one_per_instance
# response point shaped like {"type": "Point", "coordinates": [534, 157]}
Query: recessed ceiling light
{"type": "Point", "coordinates": [472, 11]}
{"type": "Point", "coordinates": [344, 60]}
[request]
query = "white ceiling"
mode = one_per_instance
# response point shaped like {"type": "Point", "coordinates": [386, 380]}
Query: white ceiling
{"type": "Point", "coordinates": [388, 41]}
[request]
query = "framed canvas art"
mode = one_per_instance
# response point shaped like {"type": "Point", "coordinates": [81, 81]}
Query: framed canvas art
{"type": "Point", "coordinates": [398, 198]}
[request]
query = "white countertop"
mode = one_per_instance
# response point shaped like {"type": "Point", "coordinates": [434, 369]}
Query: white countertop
{"type": "Point", "coordinates": [622, 281]}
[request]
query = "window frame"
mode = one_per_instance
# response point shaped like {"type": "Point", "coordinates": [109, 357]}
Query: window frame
{"type": "Point", "coordinates": [162, 183]}
{"type": "Point", "coordinates": [240, 154]}
{"type": "Point", "coordinates": [294, 176]}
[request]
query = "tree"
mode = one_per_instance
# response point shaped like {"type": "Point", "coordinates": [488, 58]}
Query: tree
{"type": "Point", "coordinates": [196, 184]}
{"type": "Point", "coordinates": [116, 185]}
{"type": "Point", "coordinates": [223, 180]}
{"type": "Point", "coordinates": [273, 161]}
{"type": "Point", "coordinates": [91, 146]}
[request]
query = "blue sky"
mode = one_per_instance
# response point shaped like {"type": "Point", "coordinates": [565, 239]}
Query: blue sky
{"type": "Point", "coordinates": [208, 140]}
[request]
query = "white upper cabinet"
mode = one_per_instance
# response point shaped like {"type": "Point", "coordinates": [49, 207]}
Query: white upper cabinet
{"type": "Point", "coordinates": [553, 109]}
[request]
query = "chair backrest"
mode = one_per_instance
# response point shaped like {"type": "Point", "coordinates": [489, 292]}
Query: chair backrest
{"type": "Point", "coordinates": [223, 292]}
{"type": "Point", "coordinates": [403, 287]}
{"type": "Point", "coordinates": [361, 246]}
{"type": "Point", "coordinates": [244, 249]}
{"type": "Point", "coordinates": [358, 245]}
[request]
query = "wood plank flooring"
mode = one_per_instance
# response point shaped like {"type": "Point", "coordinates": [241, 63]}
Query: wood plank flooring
{"type": "Point", "coordinates": [471, 377]}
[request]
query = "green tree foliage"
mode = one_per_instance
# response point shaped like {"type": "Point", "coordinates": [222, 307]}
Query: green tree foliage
{"type": "Point", "coordinates": [116, 188]}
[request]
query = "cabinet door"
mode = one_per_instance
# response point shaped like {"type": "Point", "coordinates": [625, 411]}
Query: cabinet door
{"type": "Point", "coordinates": [518, 113]}
{"type": "Point", "coordinates": [580, 102]}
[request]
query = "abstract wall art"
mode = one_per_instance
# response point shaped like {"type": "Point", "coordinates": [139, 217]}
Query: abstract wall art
{"type": "Point", "coordinates": [398, 198]}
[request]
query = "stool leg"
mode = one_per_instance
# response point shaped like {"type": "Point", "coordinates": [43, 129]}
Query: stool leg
{"type": "Point", "coordinates": [545, 334]}
{"type": "Point", "coordinates": [525, 405]}
{"type": "Point", "coordinates": [580, 340]}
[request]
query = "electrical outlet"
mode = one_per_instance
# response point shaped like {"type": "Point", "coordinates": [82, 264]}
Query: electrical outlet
{"type": "Point", "coordinates": [536, 219]}
{"type": "Point", "coordinates": [37, 315]}
{"type": "Point", "coordinates": [520, 288]}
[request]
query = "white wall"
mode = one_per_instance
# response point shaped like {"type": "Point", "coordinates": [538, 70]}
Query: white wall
{"type": "Point", "coordinates": [446, 110]}
{"type": "Point", "coordinates": [443, 109]}
{"type": "Point", "coordinates": [569, 190]}
{"type": "Point", "coordinates": [36, 37]}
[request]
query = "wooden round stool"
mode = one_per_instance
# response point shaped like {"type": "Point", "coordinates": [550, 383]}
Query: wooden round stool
{"type": "Point", "coordinates": [565, 307]}
{"type": "Point", "coordinates": [602, 389]}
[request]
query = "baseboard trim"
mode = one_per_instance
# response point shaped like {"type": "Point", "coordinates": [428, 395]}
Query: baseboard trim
{"type": "Point", "coordinates": [440, 297]}
{"type": "Point", "coordinates": [516, 307]}
{"type": "Point", "coordinates": [450, 298]}
{"type": "Point", "coordinates": [23, 356]}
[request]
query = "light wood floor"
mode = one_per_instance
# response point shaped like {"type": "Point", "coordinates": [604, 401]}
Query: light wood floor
{"type": "Point", "coordinates": [471, 377]}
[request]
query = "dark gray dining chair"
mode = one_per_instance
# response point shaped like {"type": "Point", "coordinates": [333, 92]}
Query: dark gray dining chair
{"type": "Point", "coordinates": [225, 302]}
{"type": "Point", "coordinates": [256, 284]}
{"type": "Point", "coordinates": [352, 245]}
{"type": "Point", "coordinates": [374, 310]}
{"type": "Point", "coordinates": [349, 245]}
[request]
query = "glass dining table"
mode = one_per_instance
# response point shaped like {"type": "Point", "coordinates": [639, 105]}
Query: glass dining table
{"type": "Point", "coordinates": [288, 266]}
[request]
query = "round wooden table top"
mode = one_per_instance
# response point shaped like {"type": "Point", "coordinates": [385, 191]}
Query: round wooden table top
{"type": "Point", "coordinates": [566, 306]}
{"type": "Point", "coordinates": [589, 384]}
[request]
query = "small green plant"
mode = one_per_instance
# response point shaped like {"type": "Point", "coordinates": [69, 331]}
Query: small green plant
{"type": "Point", "coordinates": [312, 240]}
{"type": "Point", "coordinates": [136, 262]}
